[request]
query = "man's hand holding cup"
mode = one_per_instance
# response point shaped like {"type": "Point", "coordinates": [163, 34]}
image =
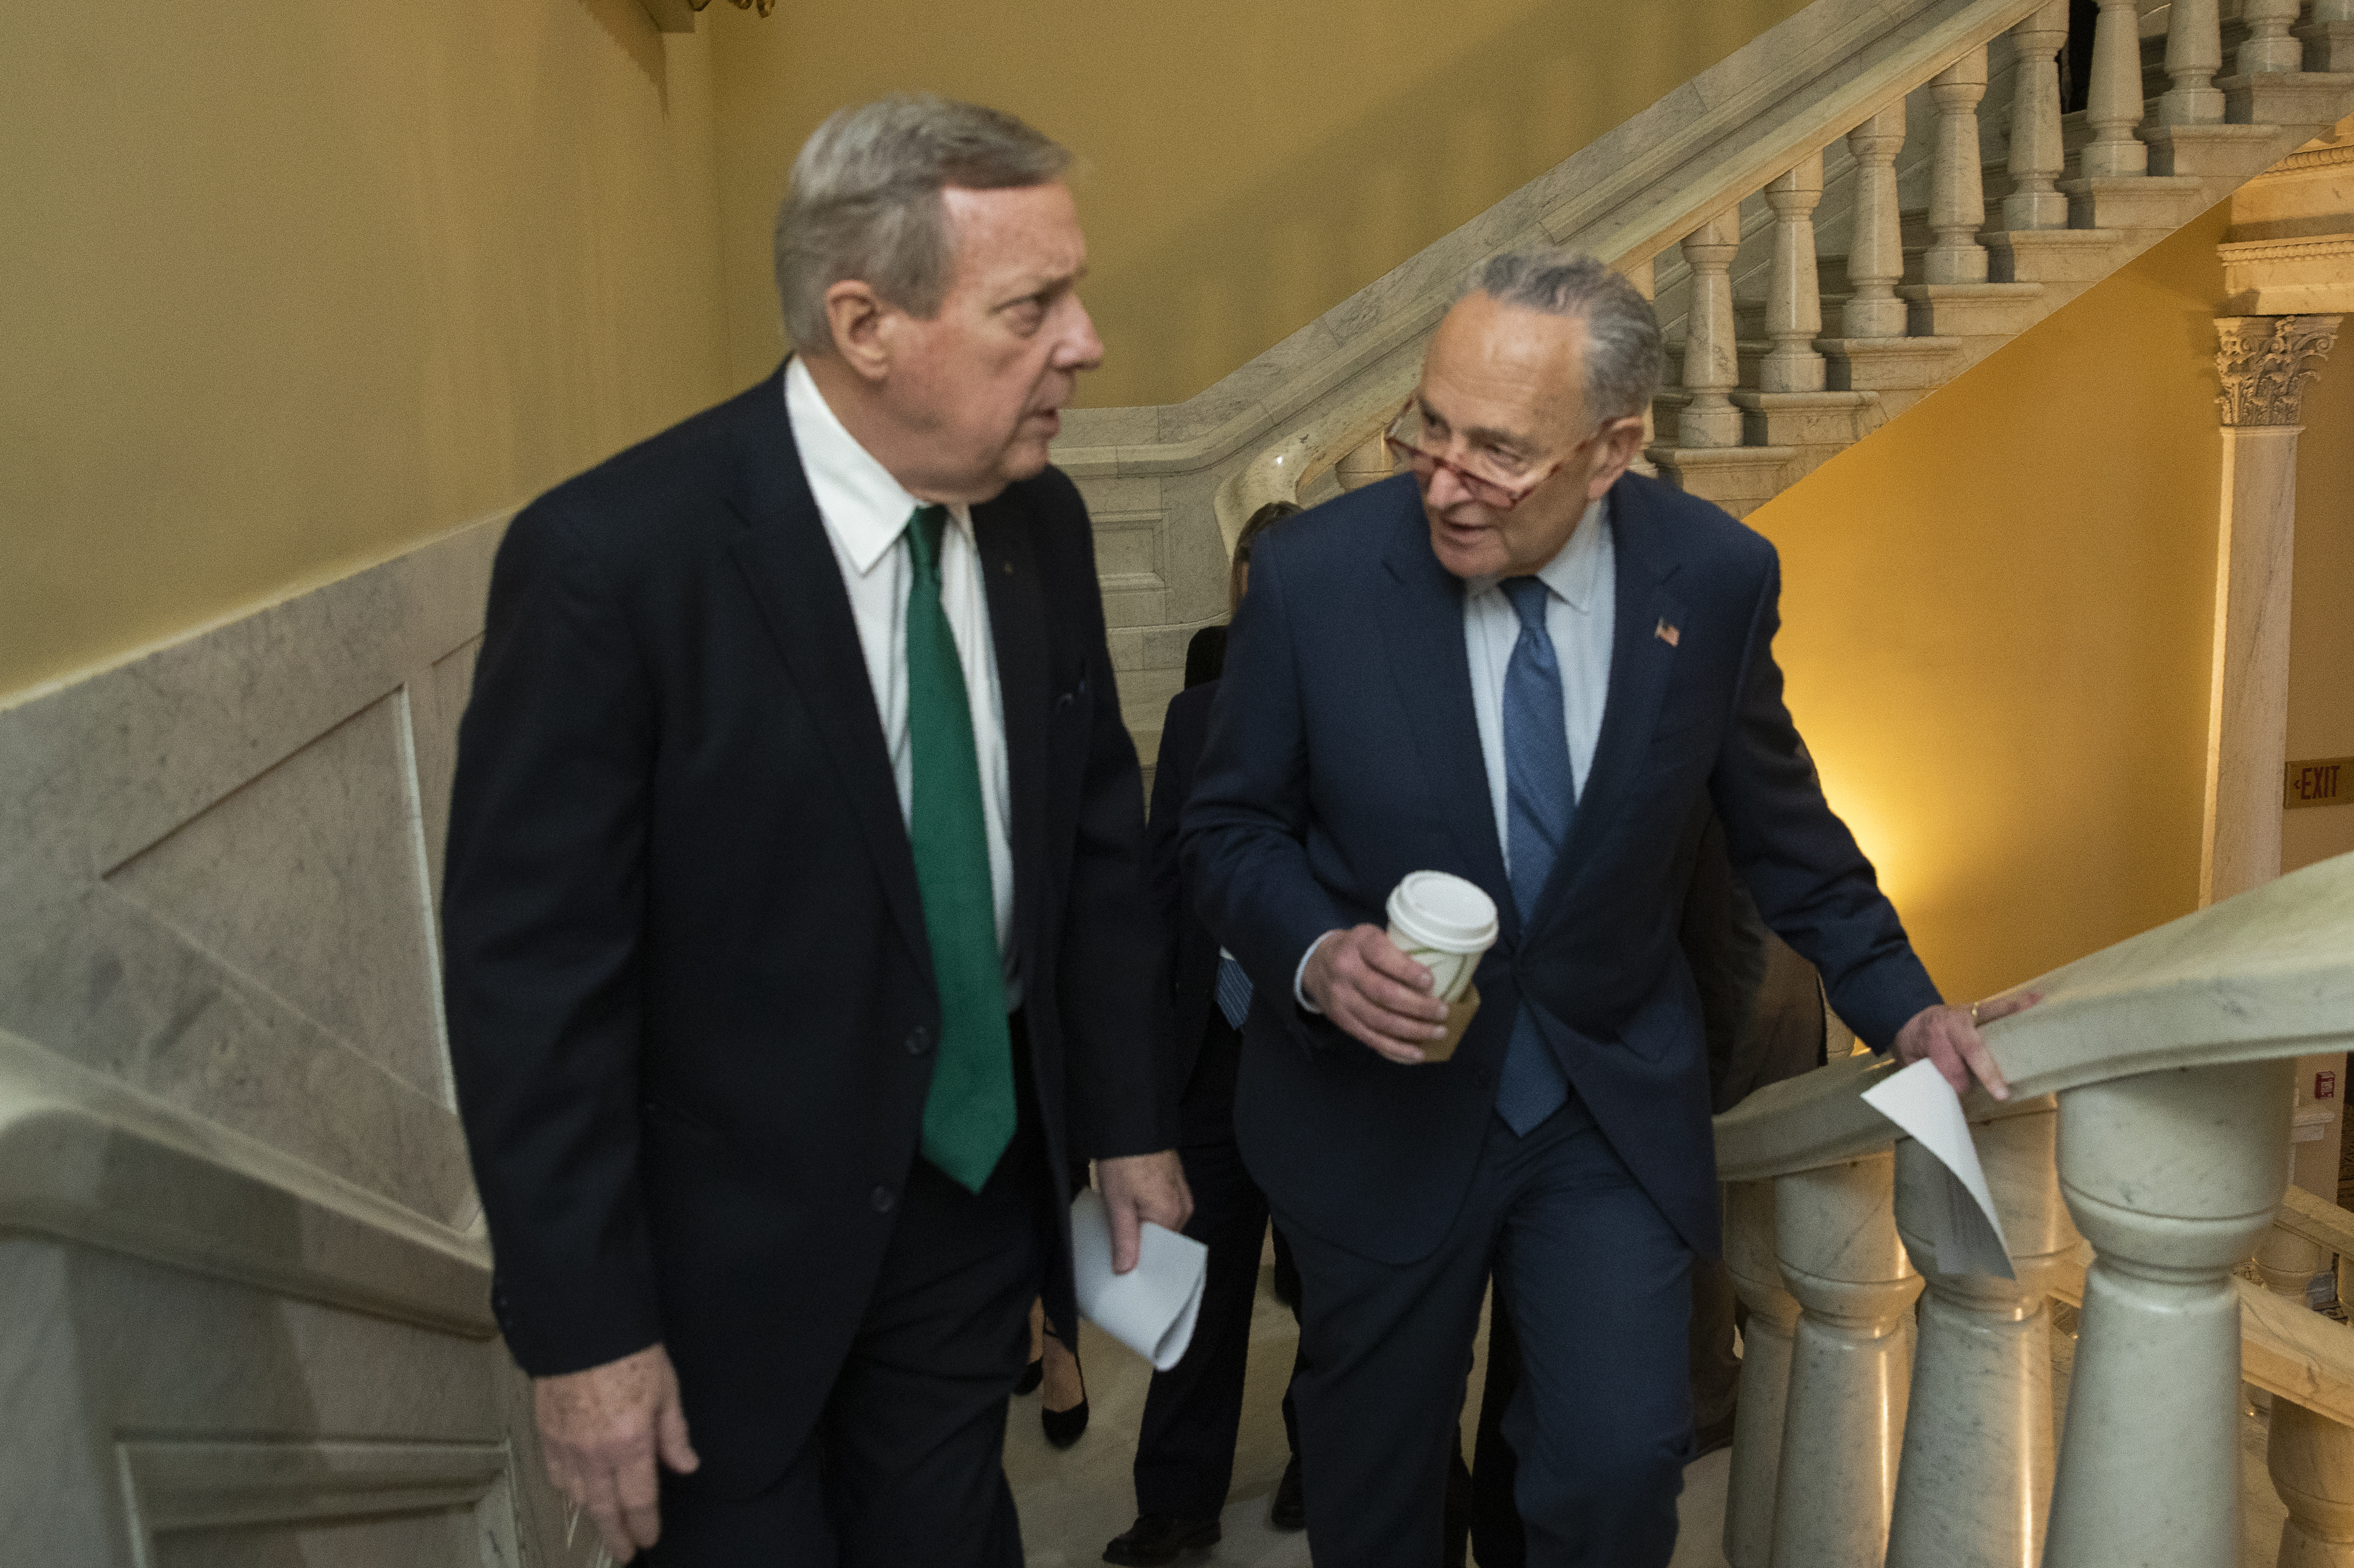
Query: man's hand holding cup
{"type": "Point", "coordinates": [1395, 990]}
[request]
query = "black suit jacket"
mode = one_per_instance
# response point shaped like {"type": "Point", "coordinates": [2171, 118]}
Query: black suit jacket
{"type": "Point", "coordinates": [1344, 752]}
{"type": "Point", "coordinates": [690, 998]}
{"type": "Point", "coordinates": [1203, 1053]}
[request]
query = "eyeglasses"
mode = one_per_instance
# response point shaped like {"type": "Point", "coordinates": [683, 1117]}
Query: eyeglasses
{"type": "Point", "coordinates": [1405, 440]}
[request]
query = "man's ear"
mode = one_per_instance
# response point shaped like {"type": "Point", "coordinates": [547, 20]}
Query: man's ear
{"type": "Point", "coordinates": [1619, 441]}
{"type": "Point", "coordinates": [856, 314]}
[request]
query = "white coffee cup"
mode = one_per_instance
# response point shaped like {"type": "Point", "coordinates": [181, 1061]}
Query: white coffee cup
{"type": "Point", "coordinates": [1443, 923]}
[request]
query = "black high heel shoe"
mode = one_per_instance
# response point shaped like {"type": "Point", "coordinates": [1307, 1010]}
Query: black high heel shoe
{"type": "Point", "coordinates": [1064, 1427]}
{"type": "Point", "coordinates": [1032, 1376]}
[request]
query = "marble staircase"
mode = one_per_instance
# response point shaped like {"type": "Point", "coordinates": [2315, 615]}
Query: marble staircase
{"type": "Point", "coordinates": [1822, 356]}
{"type": "Point", "coordinates": [1840, 218]}
{"type": "Point", "coordinates": [2135, 1169]}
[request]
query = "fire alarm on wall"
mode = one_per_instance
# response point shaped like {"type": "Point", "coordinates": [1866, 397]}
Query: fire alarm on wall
{"type": "Point", "coordinates": [2325, 1086]}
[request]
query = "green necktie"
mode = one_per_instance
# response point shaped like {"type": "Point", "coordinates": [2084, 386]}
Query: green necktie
{"type": "Point", "coordinates": [969, 1114]}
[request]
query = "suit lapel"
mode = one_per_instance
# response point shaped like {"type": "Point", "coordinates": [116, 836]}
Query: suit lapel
{"type": "Point", "coordinates": [1017, 625]}
{"type": "Point", "coordinates": [1422, 628]}
{"type": "Point", "coordinates": [1641, 660]}
{"type": "Point", "coordinates": [790, 566]}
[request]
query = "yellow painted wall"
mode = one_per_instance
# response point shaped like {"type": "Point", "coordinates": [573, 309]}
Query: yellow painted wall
{"type": "Point", "coordinates": [1997, 620]}
{"type": "Point", "coordinates": [2321, 617]}
{"type": "Point", "coordinates": [287, 287]}
{"type": "Point", "coordinates": [1252, 162]}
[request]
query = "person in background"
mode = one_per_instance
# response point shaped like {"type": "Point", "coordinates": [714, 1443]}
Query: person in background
{"type": "Point", "coordinates": [1193, 1412]}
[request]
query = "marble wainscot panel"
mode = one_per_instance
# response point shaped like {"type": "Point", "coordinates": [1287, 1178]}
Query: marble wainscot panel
{"type": "Point", "coordinates": [241, 1269]}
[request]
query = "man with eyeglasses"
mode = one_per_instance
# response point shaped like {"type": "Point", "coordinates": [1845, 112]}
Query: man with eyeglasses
{"type": "Point", "coordinates": [1521, 664]}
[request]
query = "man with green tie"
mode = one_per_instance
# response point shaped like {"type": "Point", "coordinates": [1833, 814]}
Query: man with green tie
{"type": "Point", "coordinates": [796, 925]}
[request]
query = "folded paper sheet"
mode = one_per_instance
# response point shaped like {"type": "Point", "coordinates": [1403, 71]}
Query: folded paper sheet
{"type": "Point", "coordinates": [1151, 1308]}
{"type": "Point", "coordinates": [1968, 1235]}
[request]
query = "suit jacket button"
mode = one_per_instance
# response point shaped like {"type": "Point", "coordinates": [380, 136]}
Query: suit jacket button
{"type": "Point", "coordinates": [920, 1039]}
{"type": "Point", "coordinates": [883, 1199]}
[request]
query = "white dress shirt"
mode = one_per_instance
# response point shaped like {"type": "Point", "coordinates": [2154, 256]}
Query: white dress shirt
{"type": "Point", "coordinates": [1581, 614]}
{"type": "Point", "coordinates": [866, 511]}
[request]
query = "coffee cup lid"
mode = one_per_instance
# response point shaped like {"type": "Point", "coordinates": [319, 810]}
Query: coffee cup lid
{"type": "Point", "coordinates": [1446, 909]}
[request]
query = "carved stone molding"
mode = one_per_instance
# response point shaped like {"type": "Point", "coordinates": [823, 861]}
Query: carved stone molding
{"type": "Point", "coordinates": [2266, 363]}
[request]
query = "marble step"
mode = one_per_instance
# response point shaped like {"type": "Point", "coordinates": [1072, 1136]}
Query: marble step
{"type": "Point", "coordinates": [2308, 99]}
{"type": "Point", "coordinates": [1970, 310]}
{"type": "Point", "coordinates": [2231, 152]}
{"type": "Point", "coordinates": [2133, 201]}
{"type": "Point", "coordinates": [1739, 479]}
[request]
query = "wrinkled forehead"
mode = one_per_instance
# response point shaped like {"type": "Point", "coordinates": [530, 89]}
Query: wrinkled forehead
{"type": "Point", "coordinates": [1020, 233]}
{"type": "Point", "coordinates": [1498, 358]}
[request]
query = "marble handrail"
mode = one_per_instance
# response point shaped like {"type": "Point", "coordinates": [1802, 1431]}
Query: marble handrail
{"type": "Point", "coordinates": [87, 1159]}
{"type": "Point", "coordinates": [2265, 975]}
{"type": "Point", "coordinates": [2157, 1071]}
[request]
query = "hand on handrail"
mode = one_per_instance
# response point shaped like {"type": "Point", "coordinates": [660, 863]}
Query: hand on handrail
{"type": "Point", "coordinates": [1950, 1037]}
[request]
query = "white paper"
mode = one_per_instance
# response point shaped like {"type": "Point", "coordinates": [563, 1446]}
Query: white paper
{"type": "Point", "coordinates": [1966, 1232]}
{"type": "Point", "coordinates": [1151, 1308]}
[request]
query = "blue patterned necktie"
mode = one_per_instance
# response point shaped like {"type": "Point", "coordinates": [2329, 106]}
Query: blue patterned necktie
{"type": "Point", "coordinates": [1540, 794]}
{"type": "Point", "coordinates": [1233, 991]}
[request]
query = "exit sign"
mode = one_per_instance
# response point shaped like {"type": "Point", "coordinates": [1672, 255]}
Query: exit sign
{"type": "Point", "coordinates": [2324, 781]}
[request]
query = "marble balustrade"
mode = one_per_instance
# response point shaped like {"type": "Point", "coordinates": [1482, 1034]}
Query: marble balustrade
{"type": "Point", "coordinates": [2137, 1166]}
{"type": "Point", "coordinates": [1942, 206]}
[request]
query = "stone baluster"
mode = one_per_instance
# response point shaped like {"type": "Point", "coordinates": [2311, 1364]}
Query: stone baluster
{"type": "Point", "coordinates": [1849, 1367]}
{"type": "Point", "coordinates": [2269, 46]}
{"type": "Point", "coordinates": [1956, 190]}
{"type": "Point", "coordinates": [2312, 1461]}
{"type": "Point", "coordinates": [2171, 1175]}
{"type": "Point", "coordinates": [1875, 260]}
{"type": "Point", "coordinates": [1794, 301]}
{"type": "Point", "coordinates": [1749, 1255]}
{"type": "Point", "coordinates": [2194, 53]}
{"type": "Point", "coordinates": [1711, 357]}
{"type": "Point", "coordinates": [1976, 1481]}
{"type": "Point", "coordinates": [2037, 158]}
{"type": "Point", "coordinates": [2113, 107]}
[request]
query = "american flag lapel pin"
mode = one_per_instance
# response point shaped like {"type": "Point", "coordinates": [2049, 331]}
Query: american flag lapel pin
{"type": "Point", "coordinates": [1667, 633]}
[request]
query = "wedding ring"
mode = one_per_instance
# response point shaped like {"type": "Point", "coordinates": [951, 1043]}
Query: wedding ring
{"type": "Point", "coordinates": [1974, 1015]}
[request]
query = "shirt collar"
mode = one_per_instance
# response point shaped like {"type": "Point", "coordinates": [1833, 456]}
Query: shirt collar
{"type": "Point", "coordinates": [867, 508]}
{"type": "Point", "coordinates": [1575, 573]}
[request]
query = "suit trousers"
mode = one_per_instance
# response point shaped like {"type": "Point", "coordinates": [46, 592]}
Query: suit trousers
{"type": "Point", "coordinates": [907, 1463]}
{"type": "Point", "coordinates": [1193, 1412]}
{"type": "Point", "coordinates": [1598, 1283]}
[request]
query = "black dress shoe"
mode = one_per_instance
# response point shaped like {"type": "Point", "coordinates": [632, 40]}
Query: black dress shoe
{"type": "Point", "coordinates": [1032, 1376]}
{"type": "Point", "coordinates": [1157, 1538]}
{"type": "Point", "coordinates": [1289, 1509]}
{"type": "Point", "coordinates": [1716, 1435]}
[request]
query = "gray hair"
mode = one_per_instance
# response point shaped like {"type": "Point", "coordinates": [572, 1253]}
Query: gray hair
{"type": "Point", "coordinates": [1624, 358]}
{"type": "Point", "coordinates": [864, 202]}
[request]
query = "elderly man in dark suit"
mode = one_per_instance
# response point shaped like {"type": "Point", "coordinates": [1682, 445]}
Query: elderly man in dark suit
{"type": "Point", "coordinates": [797, 926]}
{"type": "Point", "coordinates": [1522, 665]}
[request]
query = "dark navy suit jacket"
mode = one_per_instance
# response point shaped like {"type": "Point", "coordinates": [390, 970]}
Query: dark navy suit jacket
{"type": "Point", "coordinates": [1344, 752]}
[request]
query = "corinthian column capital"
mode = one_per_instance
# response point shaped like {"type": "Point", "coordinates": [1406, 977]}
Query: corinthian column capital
{"type": "Point", "coordinates": [2265, 362]}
